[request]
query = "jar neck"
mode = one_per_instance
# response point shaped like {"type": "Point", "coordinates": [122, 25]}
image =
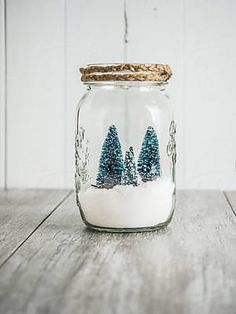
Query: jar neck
{"type": "Point", "coordinates": [127, 84]}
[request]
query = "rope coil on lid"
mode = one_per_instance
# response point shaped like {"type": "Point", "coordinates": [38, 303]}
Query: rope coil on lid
{"type": "Point", "coordinates": [126, 72]}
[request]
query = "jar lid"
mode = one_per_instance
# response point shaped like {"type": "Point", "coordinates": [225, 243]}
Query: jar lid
{"type": "Point", "coordinates": [125, 72]}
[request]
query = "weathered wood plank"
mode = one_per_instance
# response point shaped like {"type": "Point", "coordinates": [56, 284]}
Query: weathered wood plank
{"type": "Point", "coordinates": [21, 212]}
{"type": "Point", "coordinates": [187, 268]}
{"type": "Point", "coordinates": [231, 198]}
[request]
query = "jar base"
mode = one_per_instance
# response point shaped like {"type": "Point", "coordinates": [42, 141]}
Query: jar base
{"type": "Point", "coordinates": [128, 230]}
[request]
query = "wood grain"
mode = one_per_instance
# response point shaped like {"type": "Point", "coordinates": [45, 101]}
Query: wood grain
{"type": "Point", "coordinates": [231, 198]}
{"type": "Point", "coordinates": [21, 212]}
{"type": "Point", "coordinates": [187, 268]}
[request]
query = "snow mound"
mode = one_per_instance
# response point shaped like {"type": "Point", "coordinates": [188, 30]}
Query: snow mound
{"type": "Point", "coordinates": [125, 206]}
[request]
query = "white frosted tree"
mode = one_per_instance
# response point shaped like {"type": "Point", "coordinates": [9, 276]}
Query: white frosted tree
{"type": "Point", "coordinates": [130, 175]}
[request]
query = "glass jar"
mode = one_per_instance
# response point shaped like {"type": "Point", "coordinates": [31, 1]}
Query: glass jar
{"type": "Point", "coordinates": [125, 149]}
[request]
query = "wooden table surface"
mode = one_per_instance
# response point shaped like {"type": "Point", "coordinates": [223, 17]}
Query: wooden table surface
{"type": "Point", "coordinates": [51, 263]}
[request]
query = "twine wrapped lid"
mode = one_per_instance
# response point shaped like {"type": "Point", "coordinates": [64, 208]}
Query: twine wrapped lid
{"type": "Point", "coordinates": [125, 72]}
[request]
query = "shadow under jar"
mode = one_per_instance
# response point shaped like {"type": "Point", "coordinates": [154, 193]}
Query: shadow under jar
{"type": "Point", "coordinates": [125, 150]}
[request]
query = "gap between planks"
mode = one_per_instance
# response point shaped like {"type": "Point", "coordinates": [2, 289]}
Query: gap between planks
{"type": "Point", "coordinates": [230, 197]}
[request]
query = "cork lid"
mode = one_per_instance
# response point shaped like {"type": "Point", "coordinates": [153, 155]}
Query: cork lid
{"type": "Point", "coordinates": [125, 72]}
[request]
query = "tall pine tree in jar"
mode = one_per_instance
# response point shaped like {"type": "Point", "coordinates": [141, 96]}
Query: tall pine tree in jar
{"type": "Point", "coordinates": [149, 157]}
{"type": "Point", "coordinates": [111, 161]}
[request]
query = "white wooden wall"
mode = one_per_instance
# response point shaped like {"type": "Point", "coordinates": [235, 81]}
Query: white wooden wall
{"type": "Point", "coordinates": [45, 43]}
{"type": "Point", "coordinates": [2, 94]}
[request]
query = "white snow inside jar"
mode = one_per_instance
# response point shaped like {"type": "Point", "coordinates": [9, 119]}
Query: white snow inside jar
{"type": "Point", "coordinates": [125, 149]}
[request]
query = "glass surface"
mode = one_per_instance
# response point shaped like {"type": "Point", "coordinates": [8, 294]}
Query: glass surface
{"type": "Point", "coordinates": [125, 156]}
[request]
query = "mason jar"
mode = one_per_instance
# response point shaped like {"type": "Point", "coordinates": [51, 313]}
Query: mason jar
{"type": "Point", "coordinates": [125, 149]}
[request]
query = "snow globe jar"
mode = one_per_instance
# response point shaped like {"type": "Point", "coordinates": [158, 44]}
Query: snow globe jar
{"type": "Point", "coordinates": [125, 150]}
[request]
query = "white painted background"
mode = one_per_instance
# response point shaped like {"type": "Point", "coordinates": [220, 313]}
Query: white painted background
{"type": "Point", "coordinates": [43, 43]}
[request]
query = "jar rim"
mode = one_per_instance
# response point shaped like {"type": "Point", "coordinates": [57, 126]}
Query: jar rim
{"type": "Point", "coordinates": [126, 84]}
{"type": "Point", "coordinates": [125, 72]}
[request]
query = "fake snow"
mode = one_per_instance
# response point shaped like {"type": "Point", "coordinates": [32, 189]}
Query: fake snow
{"type": "Point", "coordinates": [125, 206]}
